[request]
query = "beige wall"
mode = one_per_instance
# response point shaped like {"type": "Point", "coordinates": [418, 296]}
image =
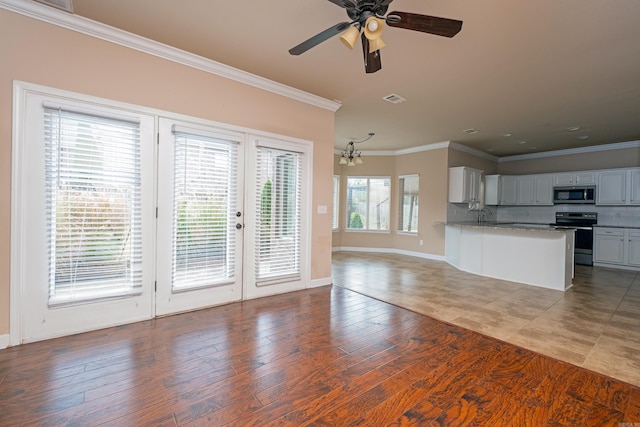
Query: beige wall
{"type": "Point", "coordinates": [461, 158]}
{"type": "Point", "coordinates": [610, 159]}
{"type": "Point", "coordinates": [432, 166]}
{"type": "Point", "coordinates": [44, 54]}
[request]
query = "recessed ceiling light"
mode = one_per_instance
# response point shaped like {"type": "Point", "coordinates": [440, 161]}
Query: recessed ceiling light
{"type": "Point", "coordinates": [470, 131]}
{"type": "Point", "coordinates": [506, 134]}
{"type": "Point", "coordinates": [533, 148]}
{"type": "Point", "coordinates": [491, 149]}
{"type": "Point", "coordinates": [583, 137]}
{"type": "Point", "coordinates": [522, 142]}
{"type": "Point", "coordinates": [573, 128]}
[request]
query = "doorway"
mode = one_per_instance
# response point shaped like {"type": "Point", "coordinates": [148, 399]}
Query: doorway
{"type": "Point", "coordinates": [124, 214]}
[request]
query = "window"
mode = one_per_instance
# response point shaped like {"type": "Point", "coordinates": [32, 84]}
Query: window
{"type": "Point", "coordinates": [92, 182]}
{"type": "Point", "coordinates": [336, 201]}
{"type": "Point", "coordinates": [408, 215]}
{"type": "Point", "coordinates": [368, 203]}
{"type": "Point", "coordinates": [279, 198]}
{"type": "Point", "coordinates": [204, 202]}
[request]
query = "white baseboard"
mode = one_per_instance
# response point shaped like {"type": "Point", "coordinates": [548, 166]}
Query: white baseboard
{"type": "Point", "coordinates": [5, 341]}
{"type": "Point", "coordinates": [616, 266]}
{"type": "Point", "coordinates": [389, 251]}
{"type": "Point", "coordinates": [316, 283]}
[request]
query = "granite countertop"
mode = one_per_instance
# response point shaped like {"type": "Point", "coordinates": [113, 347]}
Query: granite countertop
{"type": "Point", "coordinates": [618, 226]}
{"type": "Point", "coordinates": [510, 226]}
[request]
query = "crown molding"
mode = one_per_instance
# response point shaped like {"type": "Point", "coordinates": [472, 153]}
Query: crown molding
{"type": "Point", "coordinates": [473, 151]}
{"type": "Point", "coordinates": [428, 147]}
{"type": "Point", "coordinates": [420, 148]}
{"type": "Point", "coordinates": [107, 33]}
{"type": "Point", "coordinates": [570, 151]}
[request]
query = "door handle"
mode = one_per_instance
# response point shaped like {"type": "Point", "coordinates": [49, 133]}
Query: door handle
{"type": "Point", "coordinates": [238, 226]}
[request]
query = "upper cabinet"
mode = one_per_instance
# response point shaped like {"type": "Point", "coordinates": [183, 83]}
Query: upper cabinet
{"type": "Point", "coordinates": [535, 190]}
{"type": "Point", "coordinates": [574, 178]}
{"type": "Point", "coordinates": [544, 189]}
{"type": "Point", "coordinates": [519, 190]}
{"type": "Point", "coordinates": [500, 190]}
{"type": "Point", "coordinates": [618, 187]}
{"type": "Point", "coordinates": [464, 185]}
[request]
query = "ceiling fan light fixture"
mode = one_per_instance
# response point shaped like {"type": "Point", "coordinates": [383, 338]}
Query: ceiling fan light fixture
{"type": "Point", "coordinates": [350, 37]}
{"type": "Point", "coordinates": [373, 28]}
{"type": "Point", "coordinates": [376, 44]}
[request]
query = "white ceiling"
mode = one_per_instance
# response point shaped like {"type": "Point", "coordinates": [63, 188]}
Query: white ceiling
{"type": "Point", "coordinates": [531, 69]}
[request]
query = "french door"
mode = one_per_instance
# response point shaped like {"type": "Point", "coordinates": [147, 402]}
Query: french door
{"type": "Point", "coordinates": [200, 217]}
{"type": "Point", "coordinates": [121, 216]}
{"type": "Point", "coordinates": [226, 232]}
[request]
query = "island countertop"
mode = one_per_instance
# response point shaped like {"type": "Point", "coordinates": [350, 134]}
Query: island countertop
{"type": "Point", "coordinates": [509, 225]}
{"type": "Point", "coordinates": [533, 254]}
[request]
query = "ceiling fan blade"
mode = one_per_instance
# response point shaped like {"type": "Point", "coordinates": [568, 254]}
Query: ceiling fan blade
{"type": "Point", "coordinates": [319, 38]}
{"type": "Point", "coordinates": [372, 61]}
{"type": "Point", "coordinates": [338, 2]}
{"type": "Point", "coordinates": [427, 24]}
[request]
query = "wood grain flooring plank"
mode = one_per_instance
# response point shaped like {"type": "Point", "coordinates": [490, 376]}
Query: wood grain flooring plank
{"type": "Point", "coordinates": [632, 412]}
{"type": "Point", "coordinates": [326, 356]}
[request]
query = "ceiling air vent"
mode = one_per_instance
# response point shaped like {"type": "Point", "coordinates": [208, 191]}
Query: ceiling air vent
{"type": "Point", "coordinates": [394, 99]}
{"type": "Point", "coordinates": [65, 5]}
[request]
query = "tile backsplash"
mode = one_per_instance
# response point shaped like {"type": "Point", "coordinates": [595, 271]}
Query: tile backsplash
{"type": "Point", "coordinates": [622, 216]}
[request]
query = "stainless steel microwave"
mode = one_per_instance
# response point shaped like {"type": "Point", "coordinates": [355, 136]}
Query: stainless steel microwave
{"type": "Point", "coordinates": [582, 194]}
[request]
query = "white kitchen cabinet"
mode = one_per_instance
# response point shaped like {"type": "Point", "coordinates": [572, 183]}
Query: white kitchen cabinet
{"type": "Point", "coordinates": [464, 184]}
{"type": "Point", "coordinates": [617, 246]}
{"type": "Point", "coordinates": [535, 190]}
{"type": "Point", "coordinates": [634, 186]}
{"type": "Point", "coordinates": [501, 190]}
{"type": "Point", "coordinates": [633, 248]}
{"type": "Point", "coordinates": [574, 178]}
{"type": "Point", "coordinates": [611, 188]}
{"type": "Point", "coordinates": [526, 190]}
{"type": "Point", "coordinates": [608, 245]}
{"type": "Point", "coordinates": [544, 189]}
{"type": "Point", "coordinates": [618, 187]}
{"type": "Point", "coordinates": [509, 193]}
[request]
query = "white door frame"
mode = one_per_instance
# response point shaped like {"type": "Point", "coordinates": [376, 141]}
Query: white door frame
{"type": "Point", "coordinates": [19, 247]}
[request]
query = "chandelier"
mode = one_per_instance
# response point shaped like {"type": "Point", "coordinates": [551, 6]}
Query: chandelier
{"type": "Point", "coordinates": [350, 156]}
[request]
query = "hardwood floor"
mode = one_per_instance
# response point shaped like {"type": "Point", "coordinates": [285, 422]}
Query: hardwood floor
{"type": "Point", "coordinates": [326, 357]}
{"type": "Point", "coordinates": [595, 324]}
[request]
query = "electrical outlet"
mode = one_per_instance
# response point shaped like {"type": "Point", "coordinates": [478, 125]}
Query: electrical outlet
{"type": "Point", "coordinates": [421, 242]}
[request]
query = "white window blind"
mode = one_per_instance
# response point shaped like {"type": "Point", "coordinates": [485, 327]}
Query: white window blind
{"type": "Point", "coordinates": [204, 203]}
{"type": "Point", "coordinates": [279, 201]}
{"type": "Point", "coordinates": [92, 182]}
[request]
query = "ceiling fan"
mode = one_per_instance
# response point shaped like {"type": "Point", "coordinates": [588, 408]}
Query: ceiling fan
{"type": "Point", "coordinates": [367, 18]}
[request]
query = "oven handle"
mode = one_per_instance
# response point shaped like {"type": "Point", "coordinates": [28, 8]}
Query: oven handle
{"type": "Point", "coordinates": [570, 227]}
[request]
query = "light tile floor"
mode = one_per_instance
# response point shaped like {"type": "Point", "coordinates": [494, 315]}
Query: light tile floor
{"type": "Point", "coordinates": [595, 324]}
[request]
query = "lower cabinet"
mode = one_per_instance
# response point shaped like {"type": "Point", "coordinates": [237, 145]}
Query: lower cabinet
{"type": "Point", "coordinates": [617, 246]}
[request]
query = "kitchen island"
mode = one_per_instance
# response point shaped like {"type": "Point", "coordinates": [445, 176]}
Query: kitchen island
{"type": "Point", "coordinates": [533, 254]}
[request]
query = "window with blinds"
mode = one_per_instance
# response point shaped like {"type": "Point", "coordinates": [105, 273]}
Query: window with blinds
{"type": "Point", "coordinates": [279, 201]}
{"type": "Point", "coordinates": [408, 215]}
{"type": "Point", "coordinates": [204, 203]}
{"type": "Point", "coordinates": [368, 203]}
{"type": "Point", "coordinates": [92, 184]}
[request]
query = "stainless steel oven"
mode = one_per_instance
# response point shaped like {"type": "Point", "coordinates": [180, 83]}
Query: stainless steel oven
{"type": "Point", "coordinates": [583, 222]}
